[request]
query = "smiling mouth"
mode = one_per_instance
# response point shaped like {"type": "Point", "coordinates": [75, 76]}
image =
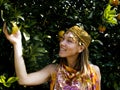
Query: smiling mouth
{"type": "Point", "coordinates": [62, 49]}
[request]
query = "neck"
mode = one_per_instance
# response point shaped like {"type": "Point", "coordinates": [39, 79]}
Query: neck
{"type": "Point", "coordinates": [71, 61]}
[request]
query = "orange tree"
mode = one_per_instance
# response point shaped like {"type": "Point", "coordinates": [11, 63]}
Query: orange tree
{"type": "Point", "coordinates": [41, 20]}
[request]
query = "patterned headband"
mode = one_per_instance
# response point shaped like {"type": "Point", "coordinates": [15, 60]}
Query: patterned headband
{"type": "Point", "coordinates": [84, 37]}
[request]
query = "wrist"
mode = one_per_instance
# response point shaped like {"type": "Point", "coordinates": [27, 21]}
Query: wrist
{"type": "Point", "coordinates": [17, 46]}
{"type": "Point", "coordinates": [18, 49]}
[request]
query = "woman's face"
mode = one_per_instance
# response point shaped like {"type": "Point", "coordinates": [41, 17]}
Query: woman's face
{"type": "Point", "coordinates": [69, 46]}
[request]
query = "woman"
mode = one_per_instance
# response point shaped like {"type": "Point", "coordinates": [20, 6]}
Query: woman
{"type": "Point", "coordinates": [74, 72]}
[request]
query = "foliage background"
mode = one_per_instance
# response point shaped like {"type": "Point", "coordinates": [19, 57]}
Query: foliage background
{"type": "Point", "coordinates": [43, 19]}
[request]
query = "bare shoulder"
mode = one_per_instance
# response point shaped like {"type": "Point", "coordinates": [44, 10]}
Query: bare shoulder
{"type": "Point", "coordinates": [97, 69]}
{"type": "Point", "coordinates": [51, 67]}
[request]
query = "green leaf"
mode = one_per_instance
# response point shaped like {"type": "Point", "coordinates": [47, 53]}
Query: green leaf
{"type": "Point", "coordinates": [2, 79]}
{"type": "Point", "coordinates": [1, 2]}
{"type": "Point", "coordinates": [26, 35]}
{"type": "Point", "coordinates": [109, 15]}
{"type": "Point", "coordinates": [22, 18]}
{"type": "Point", "coordinates": [7, 84]}
{"type": "Point", "coordinates": [12, 79]}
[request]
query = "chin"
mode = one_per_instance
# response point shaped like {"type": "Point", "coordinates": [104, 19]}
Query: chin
{"type": "Point", "coordinates": [62, 56]}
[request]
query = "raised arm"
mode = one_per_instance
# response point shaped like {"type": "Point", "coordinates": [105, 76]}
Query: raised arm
{"type": "Point", "coordinates": [34, 78]}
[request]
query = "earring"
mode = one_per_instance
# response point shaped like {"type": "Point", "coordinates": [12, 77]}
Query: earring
{"type": "Point", "coordinates": [80, 43]}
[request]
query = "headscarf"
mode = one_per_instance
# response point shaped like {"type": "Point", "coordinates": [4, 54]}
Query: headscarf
{"type": "Point", "coordinates": [83, 36]}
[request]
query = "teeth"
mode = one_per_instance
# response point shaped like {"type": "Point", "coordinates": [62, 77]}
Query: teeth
{"type": "Point", "coordinates": [62, 49]}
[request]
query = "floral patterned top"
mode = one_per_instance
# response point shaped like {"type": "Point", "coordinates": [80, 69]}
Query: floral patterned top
{"type": "Point", "coordinates": [67, 78]}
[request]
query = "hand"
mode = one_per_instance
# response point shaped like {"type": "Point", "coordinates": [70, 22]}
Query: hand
{"type": "Point", "coordinates": [13, 38]}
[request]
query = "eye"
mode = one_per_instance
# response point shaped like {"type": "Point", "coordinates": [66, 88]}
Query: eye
{"type": "Point", "coordinates": [70, 41]}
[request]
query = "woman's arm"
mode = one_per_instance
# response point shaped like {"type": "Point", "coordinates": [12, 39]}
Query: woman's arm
{"type": "Point", "coordinates": [35, 78]}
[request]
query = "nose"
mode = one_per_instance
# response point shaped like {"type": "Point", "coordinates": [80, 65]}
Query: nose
{"type": "Point", "coordinates": [62, 42]}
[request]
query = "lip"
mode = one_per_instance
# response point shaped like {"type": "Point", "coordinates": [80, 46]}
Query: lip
{"type": "Point", "coordinates": [62, 50]}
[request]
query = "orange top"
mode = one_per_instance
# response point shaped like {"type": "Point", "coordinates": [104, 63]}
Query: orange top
{"type": "Point", "coordinates": [66, 78]}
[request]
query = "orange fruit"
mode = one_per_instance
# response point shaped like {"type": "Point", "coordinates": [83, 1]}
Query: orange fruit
{"type": "Point", "coordinates": [14, 27]}
{"type": "Point", "coordinates": [102, 28]}
{"type": "Point", "coordinates": [114, 2]}
{"type": "Point", "coordinates": [118, 16]}
{"type": "Point", "coordinates": [60, 34]}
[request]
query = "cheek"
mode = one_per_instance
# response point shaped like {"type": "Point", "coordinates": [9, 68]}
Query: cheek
{"type": "Point", "coordinates": [73, 50]}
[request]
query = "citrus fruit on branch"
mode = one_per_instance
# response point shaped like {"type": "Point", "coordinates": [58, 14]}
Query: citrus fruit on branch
{"type": "Point", "coordinates": [118, 16]}
{"type": "Point", "coordinates": [102, 28]}
{"type": "Point", "coordinates": [12, 27]}
{"type": "Point", "coordinates": [114, 2]}
{"type": "Point", "coordinates": [60, 34]}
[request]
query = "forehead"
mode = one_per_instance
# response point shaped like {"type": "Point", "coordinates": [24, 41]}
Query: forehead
{"type": "Point", "coordinates": [69, 34]}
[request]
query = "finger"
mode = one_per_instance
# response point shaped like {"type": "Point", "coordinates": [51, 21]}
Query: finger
{"type": "Point", "coordinates": [4, 27]}
{"type": "Point", "coordinates": [5, 30]}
